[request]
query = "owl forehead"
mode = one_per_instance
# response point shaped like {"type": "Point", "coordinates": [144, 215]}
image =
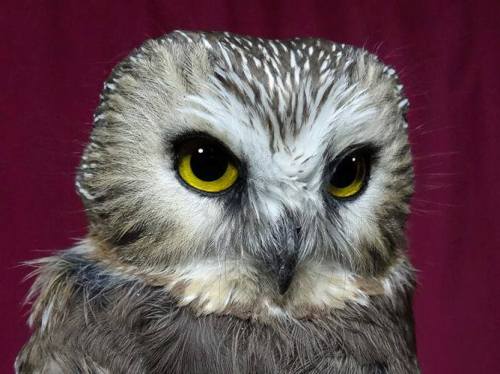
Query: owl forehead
{"type": "Point", "coordinates": [272, 62]}
{"type": "Point", "coordinates": [275, 77]}
{"type": "Point", "coordinates": [276, 69]}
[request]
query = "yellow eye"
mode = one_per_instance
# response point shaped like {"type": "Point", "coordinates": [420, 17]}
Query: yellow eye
{"type": "Point", "coordinates": [349, 176]}
{"type": "Point", "coordinates": [206, 166]}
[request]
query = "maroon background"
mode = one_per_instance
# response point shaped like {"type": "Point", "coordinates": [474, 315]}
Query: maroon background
{"type": "Point", "coordinates": [55, 55]}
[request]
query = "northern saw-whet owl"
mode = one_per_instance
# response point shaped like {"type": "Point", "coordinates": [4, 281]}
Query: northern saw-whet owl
{"type": "Point", "coordinates": [247, 201]}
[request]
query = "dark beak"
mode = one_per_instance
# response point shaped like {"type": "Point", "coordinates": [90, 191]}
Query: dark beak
{"type": "Point", "coordinates": [282, 259]}
{"type": "Point", "coordinates": [285, 270]}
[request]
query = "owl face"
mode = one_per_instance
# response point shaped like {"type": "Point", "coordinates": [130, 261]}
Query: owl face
{"type": "Point", "coordinates": [270, 168]}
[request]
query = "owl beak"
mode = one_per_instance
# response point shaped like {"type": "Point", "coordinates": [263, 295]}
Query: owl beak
{"type": "Point", "coordinates": [283, 260]}
{"type": "Point", "coordinates": [285, 270]}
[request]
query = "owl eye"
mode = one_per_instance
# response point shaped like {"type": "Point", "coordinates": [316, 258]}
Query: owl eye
{"type": "Point", "coordinates": [349, 176]}
{"type": "Point", "coordinates": [206, 165]}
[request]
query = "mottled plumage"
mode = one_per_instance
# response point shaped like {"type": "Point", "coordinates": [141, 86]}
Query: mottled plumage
{"type": "Point", "coordinates": [272, 275]}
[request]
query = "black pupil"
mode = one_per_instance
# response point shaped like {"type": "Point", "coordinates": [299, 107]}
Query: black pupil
{"type": "Point", "coordinates": [346, 172]}
{"type": "Point", "coordinates": [209, 162]}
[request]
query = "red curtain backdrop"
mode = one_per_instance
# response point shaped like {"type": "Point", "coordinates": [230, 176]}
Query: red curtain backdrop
{"type": "Point", "coordinates": [55, 55]}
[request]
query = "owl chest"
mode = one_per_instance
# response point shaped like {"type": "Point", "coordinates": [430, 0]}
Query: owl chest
{"type": "Point", "coordinates": [233, 346]}
{"type": "Point", "coordinates": [181, 342]}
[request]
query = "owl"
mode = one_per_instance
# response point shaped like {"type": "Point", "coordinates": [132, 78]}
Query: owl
{"type": "Point", "coordinates": [247, 201]}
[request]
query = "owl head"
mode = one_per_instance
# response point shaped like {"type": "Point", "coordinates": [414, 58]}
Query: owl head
{"type": "Point", "coordinates": [249, 175]}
